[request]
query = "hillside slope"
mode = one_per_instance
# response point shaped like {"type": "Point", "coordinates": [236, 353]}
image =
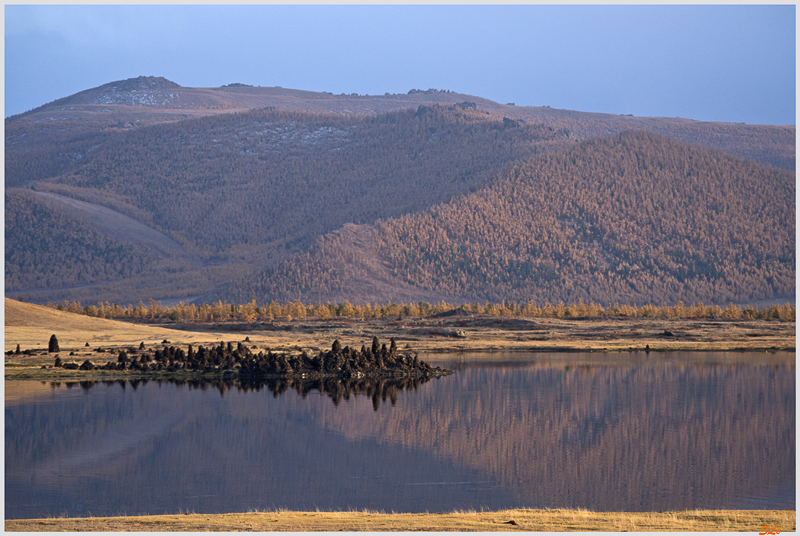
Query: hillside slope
{"type": "Point", "coordinates": [634, 219]}
{"type": "Point", "coordinates": [242, 191]}
{"type": "Point", "coordinates": [142, 188]}
{"type": "Point", "coordinates": [271, 177]}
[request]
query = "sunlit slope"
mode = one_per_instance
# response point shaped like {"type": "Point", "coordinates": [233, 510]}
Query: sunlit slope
{"type": "Point", "coordinates": [636, 218]}
{"type": "Point", "coordinates": [31, 326]}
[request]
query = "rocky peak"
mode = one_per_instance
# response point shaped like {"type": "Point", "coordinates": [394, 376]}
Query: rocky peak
{"type": "Point", "coordinates": [141, 83]}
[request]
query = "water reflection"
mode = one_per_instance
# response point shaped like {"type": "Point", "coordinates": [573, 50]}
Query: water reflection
{"type": "Point", "coordinates": [379, 390]}
{"type": "Point", "coordinates": [629, 433]}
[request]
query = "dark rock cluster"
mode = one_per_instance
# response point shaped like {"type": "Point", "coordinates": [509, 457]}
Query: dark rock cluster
{"type": "Point", "coordinates": [378, 361]}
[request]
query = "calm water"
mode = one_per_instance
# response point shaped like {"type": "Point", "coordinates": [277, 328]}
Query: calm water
{"type": "Point", "coordinates": [604, 432]}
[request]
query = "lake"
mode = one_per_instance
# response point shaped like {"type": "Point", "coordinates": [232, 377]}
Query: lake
{"type": "Point", "coordinates": [608, 432]}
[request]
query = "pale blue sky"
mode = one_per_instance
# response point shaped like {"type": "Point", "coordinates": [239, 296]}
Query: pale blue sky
{"type": "Point", "coordinates": [718, 63]}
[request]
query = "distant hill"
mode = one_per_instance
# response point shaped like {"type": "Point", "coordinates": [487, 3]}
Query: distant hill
{"type": "Point", "coordinates": [85, 119]}
{"type": "Point", "coordinates": [142, 188]}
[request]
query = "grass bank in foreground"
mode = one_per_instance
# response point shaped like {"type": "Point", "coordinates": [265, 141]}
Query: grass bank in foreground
{"type": "Point", "coordinates": [505, 520]}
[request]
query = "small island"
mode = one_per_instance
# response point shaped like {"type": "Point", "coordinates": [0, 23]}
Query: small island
{"type": "Point", "coordinates": [228, 360]}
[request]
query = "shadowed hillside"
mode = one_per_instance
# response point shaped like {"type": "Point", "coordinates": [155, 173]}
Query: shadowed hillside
{"type": "Point", "coordinates": [264, 177]}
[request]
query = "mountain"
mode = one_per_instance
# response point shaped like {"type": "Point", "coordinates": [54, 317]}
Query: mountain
{"type": "Point", "coordinates": [145, 189]}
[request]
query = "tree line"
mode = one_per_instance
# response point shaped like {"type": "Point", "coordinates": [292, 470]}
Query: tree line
{"type": "Point", "coordinates": [252, 312]}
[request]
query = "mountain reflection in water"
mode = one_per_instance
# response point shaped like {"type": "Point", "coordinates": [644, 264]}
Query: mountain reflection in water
{"type": "Point", "coordinates": [671, 432]}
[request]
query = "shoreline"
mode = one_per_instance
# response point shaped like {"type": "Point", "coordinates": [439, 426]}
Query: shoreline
{"type": "Point", "coordinates": [100, 341]}
{"type": "Point", "coordinates": [39, 367]}
{"type": "Point", "coordinates": [466, 521]}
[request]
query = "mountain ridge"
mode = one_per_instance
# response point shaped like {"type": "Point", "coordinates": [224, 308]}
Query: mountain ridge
{"type": "Point", "coordinates": [144, 109]}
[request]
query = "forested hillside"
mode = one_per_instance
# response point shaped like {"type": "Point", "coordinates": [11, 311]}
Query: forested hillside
{"type": "Point", "coordinates": [144, 189]}
{"type": "Point", "coordinates": [46, 248]}
{"type": "Point", "coordinates": [634, 219]}
{"type": "Point", "coordinates": [266, 177]}
{"type": "Point", "coordinates": [244, 190]}
{"type": "Point", "coordinates": [53, 253]}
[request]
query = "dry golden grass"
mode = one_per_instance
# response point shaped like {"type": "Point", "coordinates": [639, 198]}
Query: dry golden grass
{"type": "Point", "coordinates": [31, 325]}
{"type": "Point", "coordinates": [505, 520]}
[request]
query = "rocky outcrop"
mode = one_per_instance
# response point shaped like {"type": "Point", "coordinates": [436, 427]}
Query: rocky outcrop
{"type": "Point", "coordinates": [238, 360]}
